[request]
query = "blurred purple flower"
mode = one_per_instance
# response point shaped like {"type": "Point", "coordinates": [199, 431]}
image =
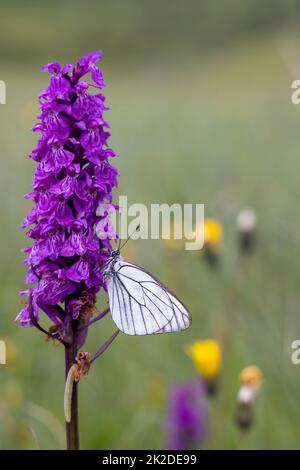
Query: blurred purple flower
{"type": "Point", "coordinates": [72, 177]}
{"type": "Point", "coordinates": [187, 416]}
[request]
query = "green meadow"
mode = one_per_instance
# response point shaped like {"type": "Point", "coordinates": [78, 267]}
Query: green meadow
{"type": "Point", "coordinates": [216, 128]}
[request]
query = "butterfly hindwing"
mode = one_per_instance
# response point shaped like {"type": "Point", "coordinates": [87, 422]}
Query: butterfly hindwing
{"type": "Point", "coordinates": [141, 305]}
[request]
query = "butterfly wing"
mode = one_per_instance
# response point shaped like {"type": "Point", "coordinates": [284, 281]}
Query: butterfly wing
{"type": "Point", "coordinates": [141, 305]}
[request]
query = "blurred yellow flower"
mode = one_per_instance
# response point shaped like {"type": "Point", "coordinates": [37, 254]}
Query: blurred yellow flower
{"type": "Point", "coordinates": [207, 357]}
{"type": "Point", "coordinates": [252, 376]}
{"type": "Point", "coordinates": [213, 232]}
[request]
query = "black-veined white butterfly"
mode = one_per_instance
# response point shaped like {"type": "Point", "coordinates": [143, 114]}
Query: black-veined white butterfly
{"type": "Point", "coordinates": [139, 303]}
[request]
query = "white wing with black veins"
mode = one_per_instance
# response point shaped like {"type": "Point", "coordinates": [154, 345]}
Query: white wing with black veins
{"type": "Point", "coordinates": [141, 305]}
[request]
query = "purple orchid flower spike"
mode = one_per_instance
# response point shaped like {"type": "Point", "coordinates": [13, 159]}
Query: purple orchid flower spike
{"type": "Point", "coordinates": [72, 177]}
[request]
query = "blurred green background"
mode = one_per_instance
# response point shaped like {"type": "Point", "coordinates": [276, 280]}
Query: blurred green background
{"type": "Point", "coordinates": [200, 103]}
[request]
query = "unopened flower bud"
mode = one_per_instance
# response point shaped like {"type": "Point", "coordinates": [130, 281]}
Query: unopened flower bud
{"type": "Point", "coordinates": [246, 225]}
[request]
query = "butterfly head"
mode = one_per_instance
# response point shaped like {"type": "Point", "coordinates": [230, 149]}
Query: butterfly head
{"type": "Point", "coordinates": [114, 254]}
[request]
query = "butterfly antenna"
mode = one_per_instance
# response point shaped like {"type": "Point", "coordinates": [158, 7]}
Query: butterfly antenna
{"type": "Point", "coordinates": [119, 244]}
{"type": "Point", "coordinates": [136, 230]}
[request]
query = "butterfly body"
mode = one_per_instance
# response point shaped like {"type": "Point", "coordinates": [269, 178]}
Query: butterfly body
{"type": "Point", "coordinates": [139, 303]}
{"type": "Point", "coordinates": [109, 266]}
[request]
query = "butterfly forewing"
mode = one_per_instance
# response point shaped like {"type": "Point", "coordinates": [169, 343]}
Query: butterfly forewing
{"type": "Point", "coordinates": [141, 305]}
